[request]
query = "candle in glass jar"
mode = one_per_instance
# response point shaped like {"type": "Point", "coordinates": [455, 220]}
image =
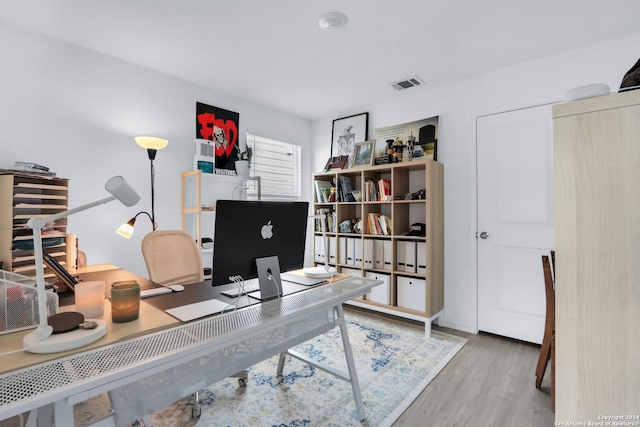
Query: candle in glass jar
{"type": "Point", "coordinates": [90, 298]}
{"type": "Point", "coordinates": [125, 302]}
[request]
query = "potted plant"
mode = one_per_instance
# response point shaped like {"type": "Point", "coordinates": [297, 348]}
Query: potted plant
{"type": "Point", "coordinates": [244, 162]}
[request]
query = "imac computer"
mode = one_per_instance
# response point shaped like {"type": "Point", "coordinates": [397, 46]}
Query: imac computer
{"type": "Point", "coordinates": [249, 230]}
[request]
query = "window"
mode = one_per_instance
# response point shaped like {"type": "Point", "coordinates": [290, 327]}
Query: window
{"type": "Point", "coordinates": [277, 164]}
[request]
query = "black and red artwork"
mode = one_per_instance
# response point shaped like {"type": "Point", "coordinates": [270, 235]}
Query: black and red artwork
{"type": "Point", "coordinates": [219, 126]}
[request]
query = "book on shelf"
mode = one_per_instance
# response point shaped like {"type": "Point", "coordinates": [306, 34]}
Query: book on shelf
{"type": "Point", "coordinates": [329, 220]}
{"type": "Point", "coordinates": [384, 189]}
{"type": "Point", "coordinates": [379, 224]}
{"type": "Point", "coordinates": [323, 190]}
{"type": "Point", "coordinates": [377, 190]}
{"type": "Point", "coordinates": [345, 188]}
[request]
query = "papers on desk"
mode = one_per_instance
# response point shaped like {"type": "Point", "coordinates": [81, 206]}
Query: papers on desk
{"type": "Point", "coordinates": [199, 309]}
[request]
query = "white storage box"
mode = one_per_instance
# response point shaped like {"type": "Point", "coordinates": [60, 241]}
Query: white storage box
{"type": "Point", "coordinates": [380, 293]}
{"type": "Point", "coordinates": [412, 293]}
{"type": "Point", "coordinates": [19, 303]}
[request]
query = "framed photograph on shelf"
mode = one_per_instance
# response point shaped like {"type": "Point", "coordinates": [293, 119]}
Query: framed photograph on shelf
{"type": "Point", "coordinates": [363, 153]}
{"type": "Point", "coordinates": [419, 139]}
{"type": "Point", "coordinates": [346, 131]}
{"type": "Point", "coordinates": [339, 162]}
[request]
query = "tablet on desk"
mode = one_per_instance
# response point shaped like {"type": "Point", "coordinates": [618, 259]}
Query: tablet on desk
{"type": "Point", "coordinates": [302, 280]}
{"type": "Point", "coordinates": [199, 309]}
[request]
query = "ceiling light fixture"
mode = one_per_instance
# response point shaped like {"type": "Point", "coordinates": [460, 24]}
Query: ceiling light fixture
{"type": "Point", "coordinates": [333, 21]}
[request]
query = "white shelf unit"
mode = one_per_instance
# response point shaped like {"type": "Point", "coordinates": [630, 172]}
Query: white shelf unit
{"type": "Point", "coordinates": [413, 291]}
{"type": "Point", "coordinates": [200, 191]}
{"type": "Point", "coordinates": [23, 196]}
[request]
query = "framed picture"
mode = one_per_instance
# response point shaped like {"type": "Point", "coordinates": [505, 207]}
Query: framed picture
{"type": "Point", "coordinates": [346, 131]}
{"type": "Point", "coordinates": [419, 139]}
{"type": "Point", "coordinates": [220, 127]}
{"type": "Point", "coordinates": [363, 153]}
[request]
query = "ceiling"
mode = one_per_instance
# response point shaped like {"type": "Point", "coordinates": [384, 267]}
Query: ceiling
{"type": "Point", "coordinates": [274, 53]}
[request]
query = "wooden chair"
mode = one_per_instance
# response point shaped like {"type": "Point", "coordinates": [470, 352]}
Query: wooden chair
{"type": "Point", "coordinates": [547, 350]}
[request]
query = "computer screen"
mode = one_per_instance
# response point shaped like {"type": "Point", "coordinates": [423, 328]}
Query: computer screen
{"type": "Point", "coordinates": [247, 230]}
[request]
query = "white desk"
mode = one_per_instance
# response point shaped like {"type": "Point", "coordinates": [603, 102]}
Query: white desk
{"type": "Point", "coordinates": [210, 349]}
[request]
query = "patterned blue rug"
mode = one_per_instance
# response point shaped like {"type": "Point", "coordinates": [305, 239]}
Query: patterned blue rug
{"type": "Point", "coordinates": [394, 362]}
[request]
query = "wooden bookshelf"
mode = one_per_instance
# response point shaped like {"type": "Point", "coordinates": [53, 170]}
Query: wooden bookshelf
{"type": "Point", "coordinates": [411, 266]}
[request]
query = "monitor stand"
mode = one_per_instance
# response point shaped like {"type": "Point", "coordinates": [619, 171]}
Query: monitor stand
{"type": "Point", "coordinates": [269, 277]}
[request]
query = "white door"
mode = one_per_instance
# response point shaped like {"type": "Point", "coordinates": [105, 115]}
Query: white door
{"type": "Point", "coordinates": [515, 220]}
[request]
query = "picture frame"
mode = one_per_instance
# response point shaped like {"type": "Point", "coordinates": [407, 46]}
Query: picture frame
{"type": "Point", "coordinates": [363, 153]}
{"type": "Point", "coordinates": [419, 139]}
{"type": "Point", "coordinates": [220, 128]}
{"type": "Point", "coordinates": [346, 132]}
{"type": "Point", "coordinates": [339, 162]}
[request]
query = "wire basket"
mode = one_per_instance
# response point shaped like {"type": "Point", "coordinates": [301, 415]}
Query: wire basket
{"type": "Point", "coordinates": [19, 302]}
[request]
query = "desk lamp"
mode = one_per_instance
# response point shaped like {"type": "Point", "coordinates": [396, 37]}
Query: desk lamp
{"type": "Point", "coordinates": [152, 144]}
{"type": "Point", "coordinates": [326, 271]}
{"type": "Point", "coordinates": [41, 340]}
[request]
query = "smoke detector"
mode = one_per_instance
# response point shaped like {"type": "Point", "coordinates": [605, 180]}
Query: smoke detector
{"type": "Point", "coordinates": [407, 83]}
{"type": "Point", "coordinates": [332, 21]}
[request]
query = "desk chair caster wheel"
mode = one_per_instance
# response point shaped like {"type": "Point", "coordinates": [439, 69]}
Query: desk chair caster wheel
{"type": "Point", "coordinates": [196, 411]}
{"type": "Point", "coordinates": [242, 382]}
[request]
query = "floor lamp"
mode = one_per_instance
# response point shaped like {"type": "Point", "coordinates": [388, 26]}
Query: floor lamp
{"type": "Point", "coordinates": [322, 272]}
{"type": "Point", "coordinates": [152, 144]}
{"type": "Point", "coordinates": [41, 340]}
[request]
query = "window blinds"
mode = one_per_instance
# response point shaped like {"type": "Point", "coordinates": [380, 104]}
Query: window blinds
{"type": "Point", "coordinates": [277, 164]}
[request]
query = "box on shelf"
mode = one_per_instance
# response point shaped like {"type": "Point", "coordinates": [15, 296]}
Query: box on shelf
{"type": "Point", "coordinates": [412, 293]}
{"type": "Point", "coordinates": [19, 302]}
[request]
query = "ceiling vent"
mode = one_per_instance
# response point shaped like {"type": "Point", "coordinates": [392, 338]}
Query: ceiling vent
{"type": "Point", "coordinates": [407, 83]}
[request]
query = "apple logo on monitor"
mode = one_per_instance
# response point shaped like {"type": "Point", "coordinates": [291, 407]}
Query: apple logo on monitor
{"type": "Point", "coordinates": [267, 231]}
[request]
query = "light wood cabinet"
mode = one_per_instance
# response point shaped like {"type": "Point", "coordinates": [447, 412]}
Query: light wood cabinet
{"type": "Point", "coordinates": [24, 196]}
{"type": "Point", "coordinates": [413, 267]}
{"type": "Point", "coordinates": [597, 203]}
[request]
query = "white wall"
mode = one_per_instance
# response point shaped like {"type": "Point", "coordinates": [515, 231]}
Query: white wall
{"type": "Point", "coordinates": [458, 105]}
{"type": "Point", "coordinates": [77, 111]}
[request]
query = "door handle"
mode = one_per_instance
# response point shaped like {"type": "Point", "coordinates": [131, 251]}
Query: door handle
{"type": "Point", "coordinates": [484, 235]}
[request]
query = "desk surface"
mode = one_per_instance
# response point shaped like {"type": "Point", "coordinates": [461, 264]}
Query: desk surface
{"type": "Point", "coordinates": [152, 316]}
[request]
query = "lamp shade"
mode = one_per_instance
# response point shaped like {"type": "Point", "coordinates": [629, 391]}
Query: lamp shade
{"type": "Point", "coordinates": [122, 191]}
{"type": "Point", "coordinates": [126, 229]}
{"type": "Point", "coordinates": [151, 142]}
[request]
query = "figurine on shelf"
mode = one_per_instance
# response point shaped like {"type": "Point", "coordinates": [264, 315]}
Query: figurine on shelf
{"type": "Point", "coordinates": [398, 147]}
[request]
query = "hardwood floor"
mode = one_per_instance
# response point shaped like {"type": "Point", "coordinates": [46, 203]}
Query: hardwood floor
{"type": "Point", "coordinates": [490, 382]}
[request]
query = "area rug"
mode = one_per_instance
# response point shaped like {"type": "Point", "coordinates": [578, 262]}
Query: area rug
{"type": "Point", "coordinates": [394, 362]}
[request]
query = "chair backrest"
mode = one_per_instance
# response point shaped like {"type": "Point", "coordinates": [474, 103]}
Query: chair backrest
{"type": "Point", "coordinates": [172, 257]}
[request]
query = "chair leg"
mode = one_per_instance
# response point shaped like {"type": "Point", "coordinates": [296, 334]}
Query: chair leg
{"type": "Point", "coordinates": [543, 359]}
{"type": "Point", "coordinates": [553, 373]}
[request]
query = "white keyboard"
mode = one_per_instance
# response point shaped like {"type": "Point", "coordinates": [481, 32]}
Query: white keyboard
{"type": "Point", "coordinates": [251, 285]}
{"type": "Point", "coordinates": [153, 292]}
